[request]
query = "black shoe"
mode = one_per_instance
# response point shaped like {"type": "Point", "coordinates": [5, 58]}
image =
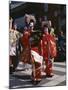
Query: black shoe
{"type": "Point", "coordinates": [49, 75]}
{"type": "Point", "coordinates": [35, 82]}
{"type": "Point", "coordinates": [11, 70]}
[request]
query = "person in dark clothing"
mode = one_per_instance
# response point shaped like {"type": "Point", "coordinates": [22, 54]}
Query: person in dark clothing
{"type": "Point", "coordinates": [61, 44]}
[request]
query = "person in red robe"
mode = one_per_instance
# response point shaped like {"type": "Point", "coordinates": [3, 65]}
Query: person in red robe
{"type": "Point", "coordinates": [47, 51]}
{"type": "Point", "coordinates": [36, 58]}
{"type": "Point", "coordinates": [25, 54]}
{"type": "Point", "coordinates": [36, 63]}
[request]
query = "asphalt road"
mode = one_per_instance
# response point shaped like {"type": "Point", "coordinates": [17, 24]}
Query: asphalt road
{"type": "Point", "coordinates": [22, 79]}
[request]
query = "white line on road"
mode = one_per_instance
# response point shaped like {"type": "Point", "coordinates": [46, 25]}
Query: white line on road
{"type": "Point", "coordinates": [21, 86]}
{"type": "Point", "coordinates": [53, 78]}
{"type": "Point", "coordinates": [60, 63]}
{"type": "Point", "coordinates": [55, 82]}
{"type": "Point", "coordinates": [25, 80]}
{"type": "Point", "coordinates": [59, 69]}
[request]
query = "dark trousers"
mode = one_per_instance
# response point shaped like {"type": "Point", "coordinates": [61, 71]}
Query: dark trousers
{"type": "Point", "coordinates": [13, 61]}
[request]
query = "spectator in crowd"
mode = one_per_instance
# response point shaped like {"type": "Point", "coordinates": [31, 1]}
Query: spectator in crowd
{"type": "Point", "coordinates": [61, 42]}
{"type": "Point", "coordinates": [13, 39]}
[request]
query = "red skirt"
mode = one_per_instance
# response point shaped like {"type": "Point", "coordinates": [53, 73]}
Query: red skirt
{"type": "Point", "coordinates": [36, 72]}
{"type": "Point", "coordinates": [25, 55]}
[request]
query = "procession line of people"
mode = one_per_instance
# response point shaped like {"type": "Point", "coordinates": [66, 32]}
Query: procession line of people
{"type": "Point", "coordinates": [33, 53]}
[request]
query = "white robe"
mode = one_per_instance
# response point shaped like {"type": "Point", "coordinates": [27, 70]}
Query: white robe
{"type": "Point", "coordinates": [38, 58]}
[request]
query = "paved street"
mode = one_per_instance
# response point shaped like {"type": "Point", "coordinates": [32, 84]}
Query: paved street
{"type": "Point", "coordinates": [22, 79]}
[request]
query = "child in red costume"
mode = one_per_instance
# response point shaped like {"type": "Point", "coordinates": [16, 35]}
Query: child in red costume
{"type": "Point", "coordinates": [47, 51]}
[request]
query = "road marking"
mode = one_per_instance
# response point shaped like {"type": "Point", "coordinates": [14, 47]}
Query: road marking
{"type": "Point", "coordinates": [29, 71]}
{"type": "Point", "coordinates": [21, 86]}
{"type": "Point", "coordinates": [25, 80]}
{"type": "Point", "coordinates": [55, 81]}
{"type": "Point", "coordinates": [60, 63]}
{"type": "Point", "coordinates": [59, 69]}
{"type": "Point", "coordinates": [53, 78]}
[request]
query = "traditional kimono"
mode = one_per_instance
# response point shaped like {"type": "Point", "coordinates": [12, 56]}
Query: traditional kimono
{"type": "Point", "coordinates": [53, 49]}
{"type": "Point", "coordinates": [25, 54]}
{"type": "Point", "coordinates": [48, 51]}
{"type": "Point", "coordinates": [36, 64]}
